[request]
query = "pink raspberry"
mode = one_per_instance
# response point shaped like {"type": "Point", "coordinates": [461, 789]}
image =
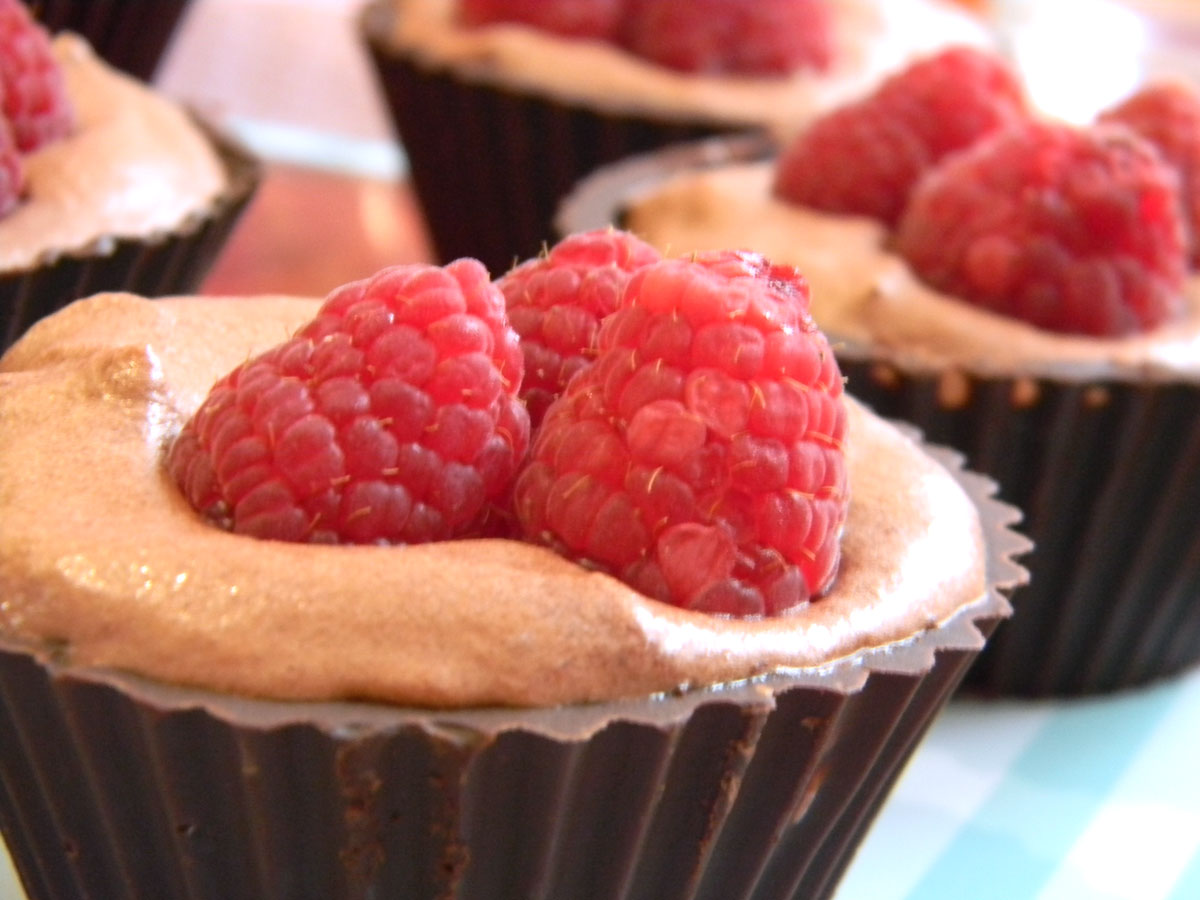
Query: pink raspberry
{"type": "Point", "coordinates": [1071, 229]}
{"type": "Point", "coordinates": [556, 303]}
{"type": "Point", "coordinates": [392, 417]}
{"type": "Point", "coordinates": [35, 96]}
{"type": "Point", "coordinates": [1167, 114]}
{"type": "Point", "coordinates": [570, 18]}
{"type": "Point", "coordinates": [715, 37]}
{"type": "Point", "coordinates": [864, 158]}
{"type": "Point", "coordinates": [700, 457]}
{"type": "Point", "coordinates": [12, 173]}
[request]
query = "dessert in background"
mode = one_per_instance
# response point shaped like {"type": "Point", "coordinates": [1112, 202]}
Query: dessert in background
{"type": "Point", "coordinates": [865, 157]}
{"type": "Point", "coordinates": [708, 37]}
{"type": "Point", "coordinates": [1026, 298]}
{"type": "Point", "coordinates": [1072, 230]}
{"type": "Point", "coordinates": [502, 113]}
{"type": "Point", "coordinates": [1167, 114]}
{"type": "Point", "coordinates": [131, 35]}
{"type": "Point", "coordinates": [36, 108]}
{"type": "Point", "coordinates": [111, 187]}
{"type": "Point", "coordinates": [359, 709]}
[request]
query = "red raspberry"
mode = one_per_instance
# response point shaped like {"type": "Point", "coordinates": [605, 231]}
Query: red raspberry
{"type": "Point", "coordinates": [12, 173]}
{"type": "Point", "coordinates": [864, 158]}
{"type": "Point", "coordinates": [1167, 114]}
{"type": "Point", "coordinates": [569, 18]}
{"type": "Point", "coordinates": [390, 418]}
{"type": "Point", "coordinates": [35, 97]}
{"type": "Point", "coordinates": [556, 303]}
{"type": "Point", "coordinates": [1074, 230]}
{"type": "Point", "coordinates": [714, 37]}
{"type": "Point", "coordinates": [700, 457]}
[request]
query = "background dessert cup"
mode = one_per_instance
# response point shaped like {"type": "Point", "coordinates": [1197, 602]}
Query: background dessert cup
{"type": "Point", "coordinates": [498, 125]}
{"type": "Point", "coordinates": [129, 34]}
{"type": "Point", "coordinates": [155, 264]}
{"type": "Point", "coordinates": [140, 198]}
{"type": "Point", "coordinates": [1095, 440]}
{"type": "Point", "coordinates": [120, 785]}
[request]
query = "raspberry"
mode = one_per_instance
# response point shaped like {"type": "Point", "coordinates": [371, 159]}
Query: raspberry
{"type": "Point", "coordinates": [12, 173]}
{"type": "Point", "coordinates": [700, 457]}
{"type": "Point", "coordinates": [35, 98]}
{"type": "Point", "coordinates": [556, 303]}
{"type": "Point", "coordinates": [1072, 229]}
{"type": "Point", "coordinates": [864, 158]}
{"type": "Point", "coordinates": [390, 418]}
{"type": "Point", "coordinates": [569, 18]}
{"type": "Point", "coordinates": [714, 37]}
{"type": "Point", "coordinates": [1167, 114]}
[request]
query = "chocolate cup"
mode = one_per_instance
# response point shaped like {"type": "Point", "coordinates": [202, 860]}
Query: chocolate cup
{"type": "Point", "coordinates": [488, 162]}
{"type": "Point", "coordinates": [128, 34]}
{"type": "Point", "coordinates": [113, 786]}
{"type": "Point", "coordinates": [1104, 469]}
{"type": "Point", "coordinates": [155, 265]}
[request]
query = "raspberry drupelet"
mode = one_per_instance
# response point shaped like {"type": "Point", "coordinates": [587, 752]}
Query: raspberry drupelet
{"type": "Point", "coordinates": [12, 172]}
{"type": "Point", "coordinates": [709, 37]}
{"type": "Point", "coordinates": [864, 158]}
{"type": "Point", "coordinates": [598, 19]}
{"type": "Point", "coordinates": [700, 457]}
{"type": "Point", "coordinates": [1167, 114]}
{"type": "Point", "coordinates": [556, 302]}
{"type": "Point", "coordinates": [1075, 230]}
{"type": "Point", "coordinates": [734, 37]}
{"type": "Point", "coordinates": [392, 417]}
{"type": "Point", "coordinates": [34, 92]}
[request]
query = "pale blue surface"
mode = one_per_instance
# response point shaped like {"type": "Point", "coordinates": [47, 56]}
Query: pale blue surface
{"type": "Point", "coordinates": [1063, 800]}
{"type": "Point", "coordinates": [9, 888]}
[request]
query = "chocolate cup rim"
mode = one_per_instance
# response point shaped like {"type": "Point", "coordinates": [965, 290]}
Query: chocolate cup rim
{"type": "Point", "coordinates": [243, 173]}
{"type": "Point", "coordinates": [598, 200]}
{"type": "Point", "coordinates": [914, 656]}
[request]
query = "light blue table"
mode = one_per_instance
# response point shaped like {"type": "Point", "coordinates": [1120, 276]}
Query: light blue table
{"type": "Point", "coordinates": [1066, 800]}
